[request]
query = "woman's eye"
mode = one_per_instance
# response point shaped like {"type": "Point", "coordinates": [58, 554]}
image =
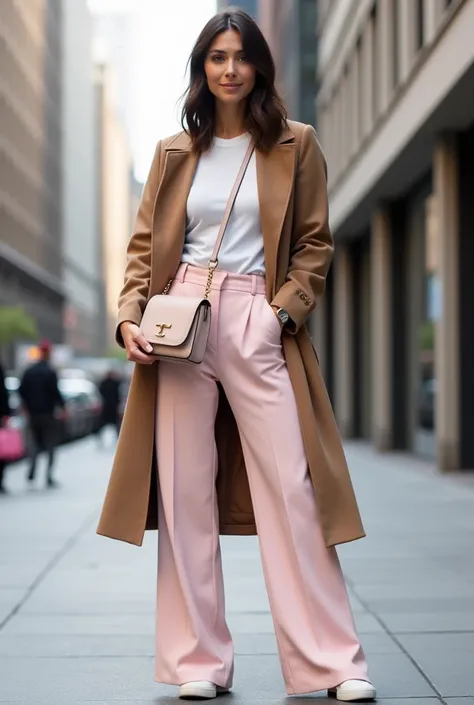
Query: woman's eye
{"type": "Point", "coordinates": [218, 58]}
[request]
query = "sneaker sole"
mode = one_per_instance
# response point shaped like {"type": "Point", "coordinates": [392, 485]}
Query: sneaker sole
{"type": "Point", "coordinates": [362, 695]}
{"type": "Point", "coordinates": [200, 692]}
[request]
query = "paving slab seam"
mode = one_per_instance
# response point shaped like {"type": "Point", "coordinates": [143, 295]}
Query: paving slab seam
{"type": "Point", "coordinates": [439, 631]}
{"type": "Point", "coordinates": [67, 546]}
{"type": "Point", "coordinates": [392, 636]}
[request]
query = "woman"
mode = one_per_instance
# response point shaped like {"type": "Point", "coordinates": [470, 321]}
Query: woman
{"type": "Point", "coordinates": [231, 455]}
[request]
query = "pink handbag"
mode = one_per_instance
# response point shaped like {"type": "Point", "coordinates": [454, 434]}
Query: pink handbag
{"type": "Point", "coordinates": [177, 327]}
{"type": "Point", "coordinates": [11, 444]}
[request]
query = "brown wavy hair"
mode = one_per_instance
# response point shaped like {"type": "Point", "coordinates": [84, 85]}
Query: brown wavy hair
{"type": "Point", "coordinates": [265, 113]}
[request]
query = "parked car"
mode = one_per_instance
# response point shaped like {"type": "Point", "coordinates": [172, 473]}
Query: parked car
{"type": "Point", "coordinates": [124, 390]}
{"type": "Point", "coordinates": [83, 407]}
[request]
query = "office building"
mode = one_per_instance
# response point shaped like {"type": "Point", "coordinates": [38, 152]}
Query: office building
{"type": "Point", "coordinates": [289, 27]}
{"type": "Point", "coordinates": [31, 268]}
{"type": "Point", "coordinates": [114, 167]}
{"type": "Point", "coordinates": [136, 190]}
{"type": "Point", "coordinates": [396, 120]}
{"type": "Point", "coordinates": [115, 44]}
{"type": "Point", "coordinates": [81, 234]}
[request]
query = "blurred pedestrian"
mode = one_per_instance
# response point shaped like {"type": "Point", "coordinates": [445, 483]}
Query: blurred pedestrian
{"type": "Point", "coordinates": [109, 389]}
{"type": "Point", "coordinates": [261, 448]}
{"type": "Point", "coordinates": [4, 414]}
{"type": "Point", "coordinates": [41, 400]}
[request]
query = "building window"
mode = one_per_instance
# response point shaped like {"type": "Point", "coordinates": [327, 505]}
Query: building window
{"type": "Point", "coordinates": [332, 129]}
{"type": "Point", "coordinates": [375, 63]}
{"type": "Point", "coordinates": [395, 47]}
{"type": "Point", "coordinates": [419, 28]}
{"type": "Point", "coordinates": [340, 128]}
{"type": "Point", "coordinates": [308, 61]}
{"type": "Point", "coordinates": [360, 91]}
{"type": "Point", "coordinates": [346, 117]}
{"type": "Point", "coordinates": [425, 296]}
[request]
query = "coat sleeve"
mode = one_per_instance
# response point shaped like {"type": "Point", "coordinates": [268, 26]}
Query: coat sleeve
{"type": "Point", "coordinates": [311, 244]}
{"type": "Point", "coordinates": [133, 297]}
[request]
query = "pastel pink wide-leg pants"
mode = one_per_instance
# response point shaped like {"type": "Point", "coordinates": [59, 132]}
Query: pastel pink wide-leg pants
{"type": "Point", "coordinates": [317, 642]}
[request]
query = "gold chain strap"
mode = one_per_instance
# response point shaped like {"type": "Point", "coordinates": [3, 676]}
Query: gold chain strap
{"type": "Point", "coordinates": [207, 291]}
{"type": "Point", "coordinates": [210, 274]}
{"type": "Point", "coordinates": [167, 287]}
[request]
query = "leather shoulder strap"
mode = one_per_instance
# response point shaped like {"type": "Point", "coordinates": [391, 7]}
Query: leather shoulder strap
{"type": "Point", "coordinates": [230, 204]}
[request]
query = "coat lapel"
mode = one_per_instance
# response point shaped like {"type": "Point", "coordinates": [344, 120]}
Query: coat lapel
{"type": "Point", "coordinates": [275, 176]}
{"type": "Point", "coordinates": [169, 218]}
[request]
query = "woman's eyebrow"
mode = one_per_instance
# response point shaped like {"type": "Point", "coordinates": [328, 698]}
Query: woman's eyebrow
{"type": "Point", "coordinates": [224, 51]}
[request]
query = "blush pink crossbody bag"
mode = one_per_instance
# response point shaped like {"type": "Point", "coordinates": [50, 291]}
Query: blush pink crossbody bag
{"type": "Point", "coordinates": [177, 327]}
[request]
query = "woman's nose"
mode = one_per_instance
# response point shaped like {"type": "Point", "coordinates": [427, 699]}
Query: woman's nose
{"type": "Point", "coordinates": [230, 68]}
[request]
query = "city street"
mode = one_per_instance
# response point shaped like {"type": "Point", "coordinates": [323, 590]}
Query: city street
{"type": "Point", "coordinates": [76, 610]}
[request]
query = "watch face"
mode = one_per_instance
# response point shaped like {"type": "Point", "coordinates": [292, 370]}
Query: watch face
{"type": "Point", "coordinates": [283, 315]}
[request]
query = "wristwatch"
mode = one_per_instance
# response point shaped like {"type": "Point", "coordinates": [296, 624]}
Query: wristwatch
{"type": "Point", "coordinates": [283, 315]}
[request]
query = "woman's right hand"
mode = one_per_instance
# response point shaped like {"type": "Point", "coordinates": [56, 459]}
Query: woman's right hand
{"type": "Point", "coordinates": [136, 343]}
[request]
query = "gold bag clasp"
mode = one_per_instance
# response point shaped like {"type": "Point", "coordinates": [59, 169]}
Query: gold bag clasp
{"type": "Point", "coordinates": [161, 327]}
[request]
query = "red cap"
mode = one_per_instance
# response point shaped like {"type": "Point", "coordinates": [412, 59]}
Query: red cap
{"type": "Point", "coordinates": [45, 346]}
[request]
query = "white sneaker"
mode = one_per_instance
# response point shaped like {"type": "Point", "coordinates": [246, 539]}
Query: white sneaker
{"type": "Point", "coordinates": [353, 690]}
{"type": "Point", "coordinates": [200, 690]}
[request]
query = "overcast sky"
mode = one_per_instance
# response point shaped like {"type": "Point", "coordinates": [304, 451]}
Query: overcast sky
{"type": "Point", "coordinates": [164, 32]}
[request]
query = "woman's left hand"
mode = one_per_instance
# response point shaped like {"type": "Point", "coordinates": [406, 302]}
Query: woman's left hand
{"type": "Point", "coordinates": [275, 309]}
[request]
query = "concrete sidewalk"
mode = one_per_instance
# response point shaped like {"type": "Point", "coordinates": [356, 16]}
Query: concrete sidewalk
{"type": "Point", "coordinates": [76, 610]}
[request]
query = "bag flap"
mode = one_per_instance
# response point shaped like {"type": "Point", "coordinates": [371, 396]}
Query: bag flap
{"type": "Point", "coordinates": [168, 319]}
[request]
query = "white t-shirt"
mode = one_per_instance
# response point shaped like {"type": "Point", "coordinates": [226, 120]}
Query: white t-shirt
{"type": "Point", "coordinates": [242, 247]}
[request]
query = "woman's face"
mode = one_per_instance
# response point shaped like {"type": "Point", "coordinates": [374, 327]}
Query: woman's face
{"type": "Point", "coordinates": [229, 75]}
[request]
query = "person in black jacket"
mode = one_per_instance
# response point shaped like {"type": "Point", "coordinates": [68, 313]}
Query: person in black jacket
{"type": "Point", "coordinates": [41, 398]}
{"type": "Point", "coordinates": [4, 414]}
{"type": "Point", "coordinates": [109, 389]}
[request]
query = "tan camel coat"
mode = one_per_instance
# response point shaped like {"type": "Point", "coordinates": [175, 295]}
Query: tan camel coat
{"type": "Point", "coordinates": [298, 250]}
